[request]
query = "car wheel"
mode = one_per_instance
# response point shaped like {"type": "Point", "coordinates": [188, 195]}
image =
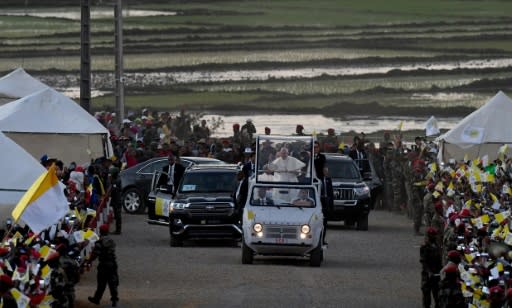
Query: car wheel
{"type": "Point", "coordinates": [132, 201]}
{"type": "Point", "coordinates": [349, 222]}
{"type": "Point", "coordinates": [175, 241]}
{"type": "Point", "coordinates": [362, 222]}
{"type": "Point", "coordinates": [247, 254]}
{"type": "Point", "coordinates": [316, 256]}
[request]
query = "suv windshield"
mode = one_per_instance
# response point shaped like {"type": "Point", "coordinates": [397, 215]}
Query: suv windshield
{"type": "Point", "coordinates": [208, 182]}
{"type": "Point", "coordinates": [343, 169]}
{"type": "Point", "coordinates": [283, 196]}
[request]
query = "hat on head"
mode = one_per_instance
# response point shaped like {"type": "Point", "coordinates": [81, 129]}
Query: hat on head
{"type": "Point", "coordinates": [453, 254]}
{"type": "Point", "coordinates": [496, 291]}
{"type": "Point", "coordinates": [248, 150]}
{"type": "Point", "coordinates": [450, 268]}
{"type": "Point", "coordinates": [6, 280]}
{"type": "Point", "coordinates": [267, 129]}
{"type": "Point", "coordinates": [225, 142]}
{"type": "Point", "coordinates": [249, 120]}
{"type": "Point", "coordinates": [236, 125]}
{"type": "Point", "coordinates": [330, 131]}
{"type": "Point", "coordinates": [299, 126]}
{"type": "Point", "coordinates": [431, 231]}
{"type": "Point", "coordinates": [4, 251]}
{"type": "Point", "coordinates": [465, 213]}
{"type": "Point", "coordinates": [104, 228]}
{"type": "Point", "coordinates": [438, 206]}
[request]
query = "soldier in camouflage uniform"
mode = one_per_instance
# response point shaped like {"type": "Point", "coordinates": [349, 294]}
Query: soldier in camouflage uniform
{"type": "Point", "coordinates": [418, 190]}
{"type": "Point", "coordinates": [449, 239]}
{"type": "Point", "coordinates": [388, 176]}
{"type": "Point", "coordinates": [57, 281]}
{"type": "Point", "coordinates": [408, 176]}
{"type": "Point", "coordinates": [428, 204]}
{"type": "Point", "coordinates": [397, 175]}
{"type": "Point", "coordinates": [105, 251]}
{"type": "Point", "coordinates": [438, 222]}
{"type": "Point", "coordinates": [71, 268]}
{"type": "Point", "coordinates": [450, 294]}
{"type": "Point", "coordinates": [430, 259]}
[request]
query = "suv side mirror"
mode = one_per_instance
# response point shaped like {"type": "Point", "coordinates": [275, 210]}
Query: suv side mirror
{"type": "Point", "coordinates": [367, 176]}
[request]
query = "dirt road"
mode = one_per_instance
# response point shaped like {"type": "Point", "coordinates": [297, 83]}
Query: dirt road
{"type": "Point", "coordinates": [378, 268]}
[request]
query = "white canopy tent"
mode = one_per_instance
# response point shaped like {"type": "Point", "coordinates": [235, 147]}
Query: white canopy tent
{"type": "Point", "coordinates": [481, 133]}
{"type": "Point", "coordinates": [48, 122]}
{"type": "Point", "coordinates": [18, 84]}
{"type": "Point", "coordinates": [19, 170]}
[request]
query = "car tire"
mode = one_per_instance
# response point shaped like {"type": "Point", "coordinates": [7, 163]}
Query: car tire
{"type": "Point", "coordinates": [362, 222]}
{"type": "Point", "coordinates": [132, 201]}
{"type": "Point", "coordinates": [316, 256]}
{"type": "Point", "coordinates": [350, 222]}
{"type": "Point", "coordinates": [247, 254]}
{"type": "Point", "coordinates": [175, 241]}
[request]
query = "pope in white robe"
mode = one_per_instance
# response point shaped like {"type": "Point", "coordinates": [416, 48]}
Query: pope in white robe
{"type": "Point", "coordinates": [287, 167]}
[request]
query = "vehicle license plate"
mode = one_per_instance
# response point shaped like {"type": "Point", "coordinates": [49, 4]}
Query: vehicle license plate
{"type": "Point", "coordinates": [280, 240]}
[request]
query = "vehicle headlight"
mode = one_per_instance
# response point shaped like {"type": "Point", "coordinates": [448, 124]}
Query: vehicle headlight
{"type": "Point", "coordinates": [305, 229]}
{"type": "Point", "coordinates": [362, 190]}
{"type": "Point", "coordinates": [257, 228]}
{"type": "Point", "coordinates": [178, 205]}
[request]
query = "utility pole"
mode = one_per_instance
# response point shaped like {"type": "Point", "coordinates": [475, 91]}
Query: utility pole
{"type": "Point", "coordinates": [85, 55]}
{"type": "Point", "coordinates": [118, 14]}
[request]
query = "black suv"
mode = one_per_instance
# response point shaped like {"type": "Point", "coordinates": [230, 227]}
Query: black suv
{"type": "Point", "coordinates": [136, 180]}
{"type": "Point", "coordinates": [351, 193]}
{"type": "Point", "coordinates": [204, 205]}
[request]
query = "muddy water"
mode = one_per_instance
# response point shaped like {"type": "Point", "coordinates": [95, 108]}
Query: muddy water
{"type": "Point", "coordinates": [285, 124]}
{"type": "Point", "coordinates": [240, 75]}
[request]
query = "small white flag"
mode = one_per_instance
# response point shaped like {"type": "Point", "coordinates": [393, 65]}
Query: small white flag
{"type": "Point", "coordinates": [431, 127]}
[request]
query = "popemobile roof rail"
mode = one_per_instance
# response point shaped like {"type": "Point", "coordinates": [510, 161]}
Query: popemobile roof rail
{"type": "Point", "coordinates": [284, 160]}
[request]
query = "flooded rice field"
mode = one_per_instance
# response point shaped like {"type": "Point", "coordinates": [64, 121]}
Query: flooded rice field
{"type": "Point", "coordinates": [75, 14]}
{"type": "Point", "coordinates": [284, 64]}
{"type": "Point", "coordinates": [282, 124]}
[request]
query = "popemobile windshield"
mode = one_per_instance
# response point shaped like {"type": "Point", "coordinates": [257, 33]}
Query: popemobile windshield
{"type": "Point", "coordinates": [283, 214]}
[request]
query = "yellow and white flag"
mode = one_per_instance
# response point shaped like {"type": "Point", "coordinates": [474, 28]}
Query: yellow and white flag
{"type": "Point", "coordinates": [43, 204]}
{"type": "Point", "coordinates": [21, 299]}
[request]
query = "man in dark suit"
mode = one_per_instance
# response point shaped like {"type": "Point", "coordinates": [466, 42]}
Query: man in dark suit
{"type": "Point", "coordinates": [326, 194]}
{"type": "Point", "coordinates": [262, 198]}
{"type": "Point", "coordinates": [172, 174]}
{"type": "Point", "coordinates": [357, 151]}
{"type": "Point", "coordinates": [247, 172]}
{"type": "Point", "coordinates": [319, 160]}
{"type": "Point", "coordinates": [327, 199]}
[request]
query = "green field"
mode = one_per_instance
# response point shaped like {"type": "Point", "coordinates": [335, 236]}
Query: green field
{"type": "Point", "coordinates": [225, 37]}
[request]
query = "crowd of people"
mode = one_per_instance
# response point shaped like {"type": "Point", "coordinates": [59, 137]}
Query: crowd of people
{"type": "Point", "coordinates": [42, 269]}
{"type": "Point", "coordinates": [462, 209]}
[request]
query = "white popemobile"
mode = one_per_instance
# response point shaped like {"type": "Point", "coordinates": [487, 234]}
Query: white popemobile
{"type": "Point", "coordinates": [283, 214]}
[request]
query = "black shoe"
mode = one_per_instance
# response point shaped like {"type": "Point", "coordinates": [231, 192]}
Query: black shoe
{"type": "Point", "coordinates": [93, 300]}
{"type": "Point", "coordinates": [114, 303]}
